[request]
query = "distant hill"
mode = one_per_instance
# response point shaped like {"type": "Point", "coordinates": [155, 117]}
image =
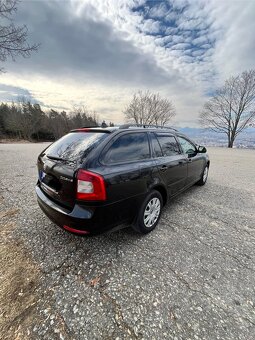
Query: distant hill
{"type": "Point", "coordinates": [210, 138]}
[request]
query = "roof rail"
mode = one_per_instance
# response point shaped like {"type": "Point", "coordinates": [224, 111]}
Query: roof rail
{"type": "Point", "coordinates": [146, 126]}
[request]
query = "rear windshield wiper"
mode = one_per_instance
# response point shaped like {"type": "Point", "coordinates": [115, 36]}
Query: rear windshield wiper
{"type": "Point", "coordinates": [60, 159]}
{"type": "Point", "coordinates": [57, 158]}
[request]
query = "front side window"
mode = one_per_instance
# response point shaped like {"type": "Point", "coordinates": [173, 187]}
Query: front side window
{"type": "Point", "coordinates": [129, 147]}
{"type": "Point", "coordinates": [168, 145]}
{"type": "Point", "coordinates": [187, 147]}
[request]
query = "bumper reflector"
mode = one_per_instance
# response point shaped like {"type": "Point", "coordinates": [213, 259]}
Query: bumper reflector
{"type": "Point", "coordinates": [76, 231]}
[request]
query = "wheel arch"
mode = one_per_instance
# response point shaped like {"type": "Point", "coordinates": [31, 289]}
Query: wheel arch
{"type": "Point", "coordinates": [162, 190]}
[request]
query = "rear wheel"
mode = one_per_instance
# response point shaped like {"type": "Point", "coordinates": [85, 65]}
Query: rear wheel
{"type": "Point", "coordinates": [149, 213]}
{"type": "Point", "coordinates": [204, 176]}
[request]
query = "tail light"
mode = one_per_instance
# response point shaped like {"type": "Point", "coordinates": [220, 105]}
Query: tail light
{"type": "Point", "coordinates": [90, 186]}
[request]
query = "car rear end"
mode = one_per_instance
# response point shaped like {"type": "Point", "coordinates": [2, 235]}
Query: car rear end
{"type": "Point", "coordinates": [69, 195]}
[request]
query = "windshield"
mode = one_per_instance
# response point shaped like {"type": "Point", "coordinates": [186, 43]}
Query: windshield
{"type": "Point", "coordinates": [75, 146]}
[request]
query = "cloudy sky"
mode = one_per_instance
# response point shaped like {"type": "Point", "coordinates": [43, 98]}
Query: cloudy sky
{"type": "Point", "coordinates": [98, 53]}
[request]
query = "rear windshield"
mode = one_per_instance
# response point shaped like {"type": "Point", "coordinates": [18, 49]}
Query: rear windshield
{"type": "Point", "coordinates": [75, 146]}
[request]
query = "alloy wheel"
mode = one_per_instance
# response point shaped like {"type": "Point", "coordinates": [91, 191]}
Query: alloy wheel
{"type": "Point", "coordinates": [151, 212]}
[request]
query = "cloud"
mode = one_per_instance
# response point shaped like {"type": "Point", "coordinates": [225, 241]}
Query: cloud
{"type": "Point", "coordinates": [173, 23]}
{"type": "Point", "coordinates": [235, 46]}
{"type": "Point", "coordinates": [181, 46]}
{"type": "Point", "coordinates": [99, 53]}
{"type": "Point", "coordinates": [9, 93]}
{"type": "Point", "coordinates": [158, 11]}
{"type": "Point", "coordinates": [83, 46]}
{"type": "Point", "coordinates": [150, 26]}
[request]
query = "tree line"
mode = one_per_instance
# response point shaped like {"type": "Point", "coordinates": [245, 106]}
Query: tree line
{"type": "Point", "coordinates": [25, 120]}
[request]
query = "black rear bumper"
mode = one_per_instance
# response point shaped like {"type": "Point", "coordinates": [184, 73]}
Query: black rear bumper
{"type": "Point", "coordinates": [83, 219]}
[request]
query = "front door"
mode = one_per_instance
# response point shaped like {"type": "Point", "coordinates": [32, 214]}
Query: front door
{"type": "Point", "coordinates": [195, 160]}
{"type": "Point", "coordinates": [171, 163]}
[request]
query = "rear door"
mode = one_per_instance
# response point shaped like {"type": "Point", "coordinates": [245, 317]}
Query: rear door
{"type": "Point", "coordinates": [57, 164]}
{"type": "Point", "coordinates": [126, 166]}
{"type": "Point", "coordinates": [122, 162]}
{"type": "Point", "coordinates": [195, 159]}
{"type": "Point", "coordinates": [171, 162]}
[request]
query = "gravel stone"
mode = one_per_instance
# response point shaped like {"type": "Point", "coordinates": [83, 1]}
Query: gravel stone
{"type": "Point", "coordinates": [191, 278]}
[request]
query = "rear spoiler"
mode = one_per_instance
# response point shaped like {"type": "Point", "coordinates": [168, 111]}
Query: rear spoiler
{"type": "Point", "coordinates": [91, 129]}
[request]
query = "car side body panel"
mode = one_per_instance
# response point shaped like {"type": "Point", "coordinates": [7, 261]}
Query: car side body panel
{"type": "Point", "coordinates": [173, 171]}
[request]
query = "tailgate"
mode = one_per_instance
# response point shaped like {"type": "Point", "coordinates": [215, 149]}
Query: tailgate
{"type": "Point", "coordinates": [56, 179]}
{"type": "Point", "coordinates": [58, 163]}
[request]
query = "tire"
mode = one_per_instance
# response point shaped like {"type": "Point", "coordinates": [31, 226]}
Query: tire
{"type": "Point", "coordinates": [204, 176]}
{"type": "Point", "coordinates": [149, 213]}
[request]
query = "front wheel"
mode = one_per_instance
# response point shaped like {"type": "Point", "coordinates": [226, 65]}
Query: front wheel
{"type": "Point", "coordinates": [204, 176]}
{"type": "Point", "coordinates": [149, 213]}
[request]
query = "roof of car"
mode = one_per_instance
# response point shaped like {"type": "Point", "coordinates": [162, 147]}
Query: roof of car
{"type": "Point", "coordinates": [136, 127]}
{"type": "Point", "coordinates": [96, 128]}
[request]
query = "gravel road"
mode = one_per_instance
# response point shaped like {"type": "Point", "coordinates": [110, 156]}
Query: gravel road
{"type": "Point", "coordinates": [191, 278]}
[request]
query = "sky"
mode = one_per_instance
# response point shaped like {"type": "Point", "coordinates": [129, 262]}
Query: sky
{"type": "Point", "coordinates": [99, 53]}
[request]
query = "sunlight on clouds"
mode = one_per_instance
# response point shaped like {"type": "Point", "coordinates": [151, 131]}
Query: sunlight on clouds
{"type": "Point", "coordinates": [66, 95]}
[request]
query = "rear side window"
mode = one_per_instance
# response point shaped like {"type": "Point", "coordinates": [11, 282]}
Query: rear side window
{"type": "Point", "coordinates": [75, 146]}
{"type": "Point", "coordinates": [168, 145]}
{"type": "Point", "coordinates": [129, 147]}
{"type": "Point", "coordinates": [155, 146]}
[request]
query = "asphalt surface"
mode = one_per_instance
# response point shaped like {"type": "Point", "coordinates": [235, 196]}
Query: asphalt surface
{"type": "Point", "coordinates": [193, 277]}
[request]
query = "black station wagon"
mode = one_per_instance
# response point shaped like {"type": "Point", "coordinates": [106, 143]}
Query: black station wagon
{"type": "Point", "coordinates": [95, 179]}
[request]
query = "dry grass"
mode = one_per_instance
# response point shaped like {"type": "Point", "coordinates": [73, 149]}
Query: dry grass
{"type": "Point", "coordinates": [19, 277]}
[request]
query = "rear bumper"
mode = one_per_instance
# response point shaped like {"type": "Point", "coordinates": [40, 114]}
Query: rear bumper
{"type": "Point", "coordinates": [82, 219]}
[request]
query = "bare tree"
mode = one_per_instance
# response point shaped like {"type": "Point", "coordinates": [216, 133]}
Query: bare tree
{"type": "Point", "coordinates": [232, 108]}
{"type": "Point", "coordinates": [13, 39]}
{"type": "Point", "coordinates": [149, 108]}
{"type": "Point", "coordinates": [84, 117]}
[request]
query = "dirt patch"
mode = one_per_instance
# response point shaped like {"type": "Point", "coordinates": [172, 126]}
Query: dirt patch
{"type": "Point", "coordinates": [19, 279]}
{"type": "Point", "coordinates": [8, 213]}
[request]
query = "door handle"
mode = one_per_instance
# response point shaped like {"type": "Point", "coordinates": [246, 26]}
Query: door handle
{"type": "Point", "coordinates": [163, 168]}
{"type": "Point", "coordinates": [189, 160]}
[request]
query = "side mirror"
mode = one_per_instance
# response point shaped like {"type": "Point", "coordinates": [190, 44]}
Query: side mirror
{"type": "Point", "coordinates": [201, 149]}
